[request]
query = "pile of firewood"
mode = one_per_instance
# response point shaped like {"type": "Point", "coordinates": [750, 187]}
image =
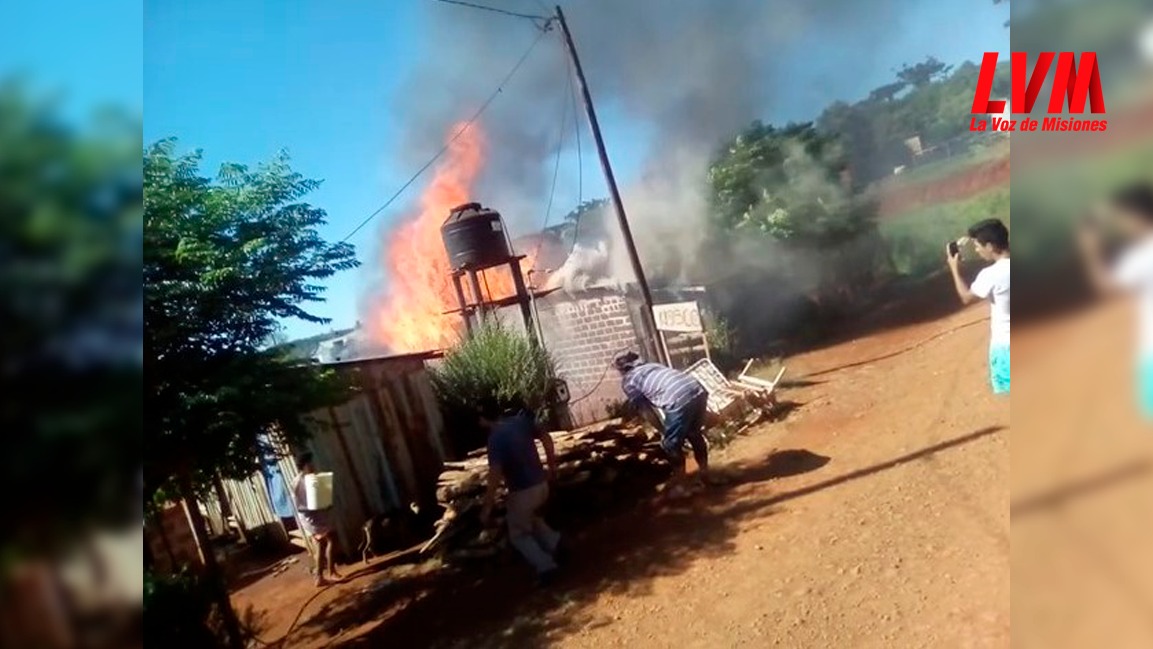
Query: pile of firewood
{"type": "Point", "coordinates": [590, 458]}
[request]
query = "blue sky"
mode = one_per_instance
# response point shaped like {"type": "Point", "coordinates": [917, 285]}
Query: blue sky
{"type": "Point", "coordinates": [91, 53]}
{"type": "Point", "coordinates": [242, 79]}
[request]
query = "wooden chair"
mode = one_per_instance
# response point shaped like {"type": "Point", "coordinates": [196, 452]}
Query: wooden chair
{"type": "Point", "coordinates": [726, 397]}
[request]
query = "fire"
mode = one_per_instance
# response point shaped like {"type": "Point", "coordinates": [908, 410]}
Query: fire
{"type": "Point", "coordinates": [411, 317]}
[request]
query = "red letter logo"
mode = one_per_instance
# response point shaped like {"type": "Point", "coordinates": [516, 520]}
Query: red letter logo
{"type": "Point", "coordinates": [1075, 85]}
{"type": "Point", "coordinates": [1024, 97]}
{"type": "Point", "coordinates": [1072, 82]}
{"type": "Point", "coordinates": [981, 103]}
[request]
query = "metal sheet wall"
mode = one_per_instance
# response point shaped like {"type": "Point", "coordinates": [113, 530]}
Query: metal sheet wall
{"type": "Point", "coordinates": [385, 448]}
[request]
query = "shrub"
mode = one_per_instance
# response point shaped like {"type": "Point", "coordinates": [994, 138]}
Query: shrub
{"type": "Point", "coordinates": [495, 363]}
{"type": "Point", "coordinates": [723, 343]}
{"type": "Point", "coordinates": [178, 611]}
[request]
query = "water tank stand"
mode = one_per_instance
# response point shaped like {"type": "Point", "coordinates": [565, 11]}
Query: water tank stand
{"type": "Point", "coordinates": [521, 296]}
{"type": "Point", "coordinates": [463, 303]}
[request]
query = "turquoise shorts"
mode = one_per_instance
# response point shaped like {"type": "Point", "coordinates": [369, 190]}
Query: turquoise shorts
{"type": "Point", "coordinates": [999, 368]}
{"type": "Point", "coordinates": [1145, 386]}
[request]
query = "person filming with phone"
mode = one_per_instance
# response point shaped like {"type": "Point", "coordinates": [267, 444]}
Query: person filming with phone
{"type": "Point", "coordinates": [990, 239]}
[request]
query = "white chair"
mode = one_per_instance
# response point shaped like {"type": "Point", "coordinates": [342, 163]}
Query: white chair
{"type": "Point", "coordinates": [727, 396]}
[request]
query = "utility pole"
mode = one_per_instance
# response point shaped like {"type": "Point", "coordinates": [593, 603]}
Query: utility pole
{"type": "Point", "coordinates": [655, 349]}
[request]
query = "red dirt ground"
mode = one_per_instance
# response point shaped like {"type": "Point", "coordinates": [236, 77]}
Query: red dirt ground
{"type": "Point", "coordinates": [875, 515]}
{"type": "Point", "coordinates": [899, 198]}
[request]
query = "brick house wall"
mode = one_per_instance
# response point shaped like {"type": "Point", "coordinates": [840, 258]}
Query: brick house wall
{"type": "Point", "coordinates": [583, 333]}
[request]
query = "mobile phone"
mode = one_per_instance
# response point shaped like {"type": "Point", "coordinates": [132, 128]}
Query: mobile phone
{"type": "Point", "coordinates": [954, 249]}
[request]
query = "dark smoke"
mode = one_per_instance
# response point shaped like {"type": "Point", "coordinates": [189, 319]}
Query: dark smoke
{"type": "Point", "coordinates": [692, 72]}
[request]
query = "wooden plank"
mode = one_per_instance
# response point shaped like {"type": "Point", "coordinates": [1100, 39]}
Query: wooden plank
{"type": "Point", "coordinates": [389, 428]}
{"type": "Point", "coordinates": [350, 465]}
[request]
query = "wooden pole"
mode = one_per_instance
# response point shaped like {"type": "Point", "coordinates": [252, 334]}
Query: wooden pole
{"type": "Point", "coordinates": [474, 284]}
{"type": "Point", "coordinates": [460, 300]}
{"type": "Point", "coordinates": [212, 570]}
{"type": "Point", "coordinates": [523, 298]}
{"type": "Point", "coordinates": [665, 347]}
{"type": "Point", "coordinates": [226, 510]}
{"type": "Point", "coordinates": [614, 193]}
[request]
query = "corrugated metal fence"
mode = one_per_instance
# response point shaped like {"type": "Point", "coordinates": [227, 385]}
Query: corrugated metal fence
{"type": "Point", "coordinates": [385, 448]}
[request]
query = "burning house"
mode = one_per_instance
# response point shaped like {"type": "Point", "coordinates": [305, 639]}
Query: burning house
{"type": "Point", "coordinates": [450, 260]}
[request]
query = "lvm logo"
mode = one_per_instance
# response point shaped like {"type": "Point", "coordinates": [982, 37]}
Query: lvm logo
{"type": "Point", "coordinates": [1074, 82]}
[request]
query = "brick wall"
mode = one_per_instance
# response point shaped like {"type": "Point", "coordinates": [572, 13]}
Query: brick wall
{"type": "Point", "coordinates": [583, 334]}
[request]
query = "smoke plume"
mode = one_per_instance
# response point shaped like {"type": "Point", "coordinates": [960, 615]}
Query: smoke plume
{"type": "Point", "coordinates": [690, 73]}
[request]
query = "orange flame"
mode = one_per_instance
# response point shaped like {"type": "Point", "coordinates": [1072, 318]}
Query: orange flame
{"type": "Point", "coordinates": [412, 316]}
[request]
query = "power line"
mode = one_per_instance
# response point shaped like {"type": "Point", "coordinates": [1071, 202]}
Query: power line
{"type": "Point", "coordinates": [555, 171]}
{"type": "Point", "coordinates": [454, 138]}
{"type": "Point", "coordinates": [495, 10]}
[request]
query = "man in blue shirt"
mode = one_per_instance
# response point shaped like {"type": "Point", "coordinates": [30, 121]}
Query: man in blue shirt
{"type": "Point", "coordinates": [513, 459]}
{"type": "Point", "coordinates": [683, 400]}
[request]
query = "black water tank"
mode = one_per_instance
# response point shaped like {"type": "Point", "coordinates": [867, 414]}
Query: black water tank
{"type": "Point", "coordinates": [474, 237]}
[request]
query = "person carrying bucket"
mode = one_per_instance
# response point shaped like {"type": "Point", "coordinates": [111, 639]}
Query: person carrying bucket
{"type": "Point", "coordinates": [314, 522]}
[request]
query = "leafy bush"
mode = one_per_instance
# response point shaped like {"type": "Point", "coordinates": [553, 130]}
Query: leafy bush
{"type": "Point", "coordinates": [178, 611]}
{"type": "Point", "coordinates": [495, 363]}
{"type": "Point", "coordinates": [723, 343]}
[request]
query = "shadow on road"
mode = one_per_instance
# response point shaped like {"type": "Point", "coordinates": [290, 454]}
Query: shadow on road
{"type": "Point", "coordinates": [778, 464]}
{"type": "Point", "coordinates": [877, 468]}
{"type": "Point", "coordinates": [495, 605]}
{"type": "Point", "coordinates": [1071, 491]}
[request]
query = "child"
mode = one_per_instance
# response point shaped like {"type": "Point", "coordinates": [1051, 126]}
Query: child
{"type": "Point", "coordinates": [990, 239]}
{"type": "Point", "coordinates": [1132, 272]}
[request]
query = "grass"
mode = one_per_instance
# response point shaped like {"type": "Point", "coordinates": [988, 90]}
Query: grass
{"type": "Point", "coordinates": [1047, 198]}
{"type": "Point", "coordinates": [916, 240]}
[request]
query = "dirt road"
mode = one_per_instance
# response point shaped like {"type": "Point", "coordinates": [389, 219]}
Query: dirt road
{"type": "Point", "coordinates": [875, 515]}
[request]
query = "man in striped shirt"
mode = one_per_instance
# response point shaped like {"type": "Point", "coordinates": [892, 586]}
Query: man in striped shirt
{"type": "Point", "coordinates": [682, 399]}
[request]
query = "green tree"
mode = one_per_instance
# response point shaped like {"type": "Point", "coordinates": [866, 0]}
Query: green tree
{"type": "Point", "coordinates": [70, 374]}
{"type": "Point", "coordinates": [587, 222]}
{"type": "Point", "coordinates": [930, 100]}
{"type": "Point", "coordinates": [224, 261]}
{"type": "Point", "coordinates": [888, 92]}
{"type": "Point", "coordinates": [924, 73]}
{"type": "Point", "coordinates": [788, 187]}
{"type": "Point", "coordinates": [784, 183]}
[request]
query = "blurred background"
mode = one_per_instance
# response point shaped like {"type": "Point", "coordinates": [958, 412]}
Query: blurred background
{"type": "Point", "coordinates": [70, 323]}
{"type": "Point", "coordinates": [1082, 489]}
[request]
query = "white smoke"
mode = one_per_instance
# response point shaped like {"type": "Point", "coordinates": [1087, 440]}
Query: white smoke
{"type": "Point", "coordinates": [586, 267]}
{"type": "Point", "coordinates": [692, 72]}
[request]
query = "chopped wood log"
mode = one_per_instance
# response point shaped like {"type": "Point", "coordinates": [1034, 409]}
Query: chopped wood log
{"type": "Point", "coordinates": [590, 461]}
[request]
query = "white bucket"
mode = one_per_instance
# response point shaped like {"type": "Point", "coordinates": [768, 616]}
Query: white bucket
{"type": "Point", "coordinates": [318, 491]}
